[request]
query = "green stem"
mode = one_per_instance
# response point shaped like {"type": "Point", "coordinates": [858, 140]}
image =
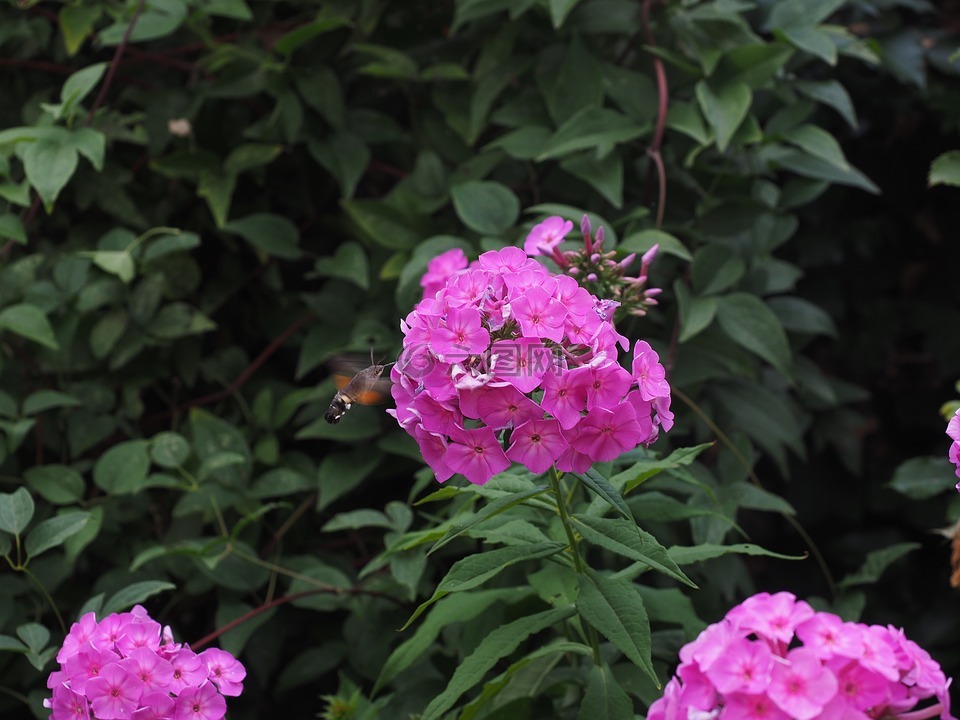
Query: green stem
{"type": "Point", "coordinates": [578, 563]}
{"type": "Point", "coordinates": [53, 605]}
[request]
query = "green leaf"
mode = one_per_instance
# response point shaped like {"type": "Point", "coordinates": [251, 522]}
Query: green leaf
{"type": "Point", "coordinates": [76, 24]}
{"type": "Point", "coordinates": [832, 94]}
{"type": "Point", "coordinates": [47, 400]}
{"type": "Point", "coordinates": [49, 165]}
{"type": "Point", "coordinates": [697, 553]}
{"type": "Point", "coordinates": [813, 167]}
{"type": "Point", "coordinates": [57, 484]}
{"type": "Point", "coordinates": [604, 698]}
{"type": "Point", "coordinates": [592, 127]}
{"type": "Point", "coordinates": [817, 142]}
{"type": "Point", "coordinates": [54, 531]}
{"type": "Point", "coordinates": [484, 206]}
{"type": "Point", "coordinates": [945, 170]}
{"type": "Point", "coordinates": [716, 268]}
{"type": "Point", "coordinates": [724, 107]}
{"type": "Point", "coordinates": [640, 242]}
{"type": "Point", "coordinates": [250, 156]}
{"type": "Point", "coordinates": [169, 449]}
{"type": "Point", "coordinates": [216, 187]}
{"type": "Point", "coordinates": [813, 41]}
{"type": "Point", "coordinates": [29, 322]}
{"type": "Point", "coordinates": [488, 511]}
{"type": "Point", "coordinates": [802, 316]}
{"type": "Point", "coordinates": [343, 155]}
{"type": "Point", "coordinates": [273, 234]}
{"type": "Point", "coordinates": [599, 485]}
{"type": "Point", "coordinates": [626, 539]}
{"type": "Point", "coordinates": [497, 644]}
{"type": "Point", "coordinates": [559, 9]}
{"type": "Point", "coordinates": [115, 262]}
{"type": "Point", "coordinates": [133, 594]}
{"type": "Point", "coordinates": [12, 229]}
{"type": "Point", "coordinates": [34, 635]}
{"type": "Point", "coordinates": [107, 331]}
{"type": "Point", "coordinates": [750, 323]}
{"type": "Point", "coordinates": [474, 570]}
{"type": "Point", "coordinates": [356, 519]}
{"type": "Point", "coordinates": [615, 609]}
{"type": "Point", "coordinates": [122, 470]}
{"type": "Point", "coordinates": [801, 13]}
{"type": "Point", "coordinates": [178, 320]}
{"type": "Point", "coordinates": [389, 63]}
{"type": "Point", "coordinates": [304, 33]}
{"type": "Point", "coordinates": [456, 609]}
{"type": "Point", "coordinates": [16, 510]}
{"type": "Point", "coordinates": [348, 263]}
{"type": "Point", "coordinates": [696, 313]}
{"type": "Point", "coordinates": [168, 244]}
{"type": "Point", "coordinates": [11, 644]}
{"type": "Point", "coordinates": [605, 176]}
{"type": "Point", "coordinates": [385, 225]}
{"type": "Point", "coordinates": [920, 478]}
{"type": "Point", "coordinates": [876, 563]}
{"type": "Point", "coordinates": [79, 85]}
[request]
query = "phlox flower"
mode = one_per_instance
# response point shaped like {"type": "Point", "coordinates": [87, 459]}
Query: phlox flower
{"type": "Point", "coordinates": [953, 431]}
{"type": "Point", "coordinates": [200, 703]}
{"type": "Point", "coordinates": [476, 455]}
{"type": "Point", "coordinates": [774, 657]}
{"type": "Point", "coordinates": [224, 671]}
{"type": "Point", "coordinates": [440, 268]}
{"type": "Point", "coordinates": [605, 434]}
{"type": "Point", "coordinates": [537, 444]}
{"type": "Point", "coordinates": [801, 686]}
{"type": "Point", "coordinates": [114, 694]}
{"type": "Point", "coordinates": [648, 372]}
{"type": "Point", "coordinates": [121, 671]}
{"type": "Point", "coordinates": [503, 343]}
{"type": "Point", "coordinates": [547, 235]}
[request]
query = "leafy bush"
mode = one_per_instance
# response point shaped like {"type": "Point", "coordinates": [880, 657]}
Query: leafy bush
{"type": "Point", "coordinates": [210, 205]}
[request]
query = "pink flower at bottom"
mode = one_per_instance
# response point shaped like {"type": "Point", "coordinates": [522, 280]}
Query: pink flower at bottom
{"type": "Point", "coordinates": [225, 671]}
{"type": "Point", "coordinates": [200, 703]}
{"type": "Point", "coordinates": [801, 687]}
{"type": "Point", "coordinates": [155, 706]}
{"type": "Point", "coordinates": [605, 434]}
{"type": "Point", "coordinates": [741, 706]}
{"type": "Point", "coordinates": [114, 694]}
{"type": "Point", "coordinates": [68, 705]}
{"type": "Point", "coordinates": [536, 444]}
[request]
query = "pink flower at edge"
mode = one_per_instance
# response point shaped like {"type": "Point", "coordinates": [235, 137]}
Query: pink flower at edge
{"type": "Point", "coordinates": [476, 455]}
{"type": "Point", "coordinates": [740, 706]}
{"type": "Point", "coordinates": [87, 664]}
{"type": "Point", "coordinates": [155, 706]}
{"type": "Point", "coordinates": [225, 671]}
{"type": "Point", "coordinates": [440, 268]}
{"type": "Point", "coordinates": [68, 705]}
{"type": "Point", "coordinates": [648, 372]}
{"type": "Point", "coordinates": [545, 236]}
{"type": "Point", "coordinates": [80, 632]}
{"type": "Point", "coordinates": [605, 434]}
{"type": "Point", "coordinates": [188, 671]}
{"type": "Point", "coordinates": [200, 703]}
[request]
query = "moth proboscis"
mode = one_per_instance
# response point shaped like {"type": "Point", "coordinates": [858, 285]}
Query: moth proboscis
{"type": "Point", "coordinates": [363, 388]}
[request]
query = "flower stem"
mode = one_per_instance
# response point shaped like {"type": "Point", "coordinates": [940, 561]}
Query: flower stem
{"type": "Point", "coordinates": [578, 563]}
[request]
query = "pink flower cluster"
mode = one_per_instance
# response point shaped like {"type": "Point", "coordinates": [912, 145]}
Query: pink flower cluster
{"type": "Point", "coordinates": [507, 361]}
{"type": "Point", "coordinates": [953, 430]}
{"type": "Point", "coordinates": [126, 668]}
{"type": "Point", "coordinates": [773, 657]}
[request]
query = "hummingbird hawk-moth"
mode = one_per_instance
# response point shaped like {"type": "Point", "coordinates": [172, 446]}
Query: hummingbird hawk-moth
{"type": "Point", "coordinates": [364, 388]}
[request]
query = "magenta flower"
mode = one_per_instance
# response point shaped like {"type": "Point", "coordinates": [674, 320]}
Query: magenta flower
{"type": "Point", "coordinates": [152, 670]}
{"type": "Point", "coordinates": [188, 671]}
{"type": "Point", "coordinates": [547, 235]}
{"type": "Point", "coordinates": [539, 314]}
{"type": "Point", "coordinates": [68, 705]}
{"type": "Point", "coordinates": [649, 373]}
{"type": "Point", "coordinates": [127, 668]}
{"type": "Point", "coordinates": [749, 666]}
{"type": "Point", "coordinates": [224, 671]}
{"type": "Point", "coordinates": [476, 455]}
{"type": "Point", "coordinates": [440, 268]}
{"type": "Point", "coordinates": [802, 686]}
{"type": "Point", "coordinates": [953, 430]}
{"type": "Point", "coordinates": [605, 434]}
{"type": "Point", "coordinates": [462, 336]}
{"type": "Point", "coordinates": [537, 444]}
{"type": "Point", "coordinates": [114, 694]}
{"type": "Point", "coordinates": [504, 342]}
{"type": "Point", "coordinates": [200, 703]}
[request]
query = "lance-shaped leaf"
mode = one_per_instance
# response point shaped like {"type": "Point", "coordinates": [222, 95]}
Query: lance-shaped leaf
{"type": "Point", "coordinates": [500, 643]}
{"type": "Point", "coordinates": [626, 539]}
{"type": "Point", "coordinates": [602, 487]}
{"type": "Point", "coordinates": [604, 699]}
{"type": "Point", "coordinates": [686, 555]}
{"type": "Point", "coordinates": [615, 609]}
{"type": "Point", "coordinates": [474, 570]}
